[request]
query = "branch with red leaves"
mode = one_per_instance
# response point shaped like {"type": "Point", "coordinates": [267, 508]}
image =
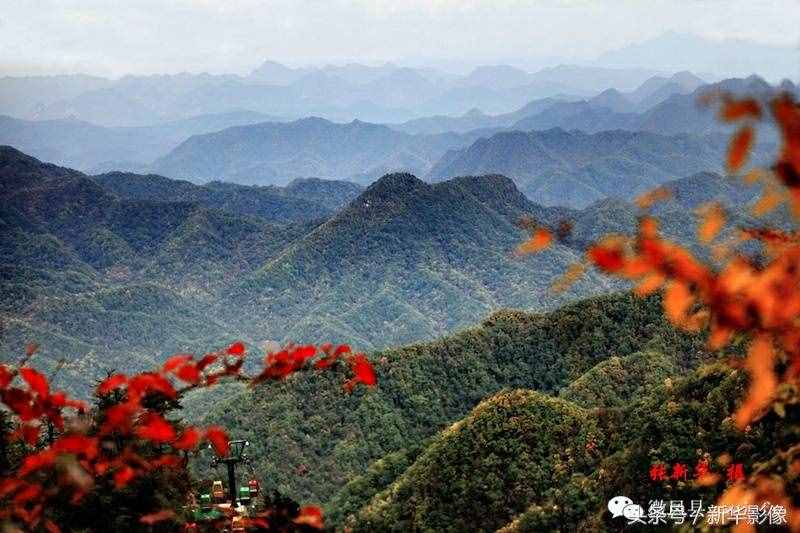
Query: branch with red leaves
{"type": "Point", "coordinates": [81, 454]}
{"type": "Point", "coordinates": [757, 298]}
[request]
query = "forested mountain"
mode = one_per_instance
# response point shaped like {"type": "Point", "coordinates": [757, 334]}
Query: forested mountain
{"type": "Point", "coordinates": [135, 262]}
{"type": "Point", "coordinates": [406, 261]}
{"type": "Point", "coordinates": [527, 461]}
{"type": "Point", "coordinates": [557, 167]}
{"type": "Point", "coordinates": [301, 200]}
{"type": "Point", "coordinates": [86, 261]}
{"type": "Point", "coordinates": [424, 388]}
{"type": "Point", "coordinates": [111, 283]}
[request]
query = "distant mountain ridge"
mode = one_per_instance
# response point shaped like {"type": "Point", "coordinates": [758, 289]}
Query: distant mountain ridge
{"type": "Point", "coordinates": [557, 167]}
{"type": "Point", "coordinates": [660, 105]}
{"type": "Point", "coordinates": [275, 153]}
{"type": "Point", "coordinates": [92, 148]}
{"type": "Point", "coordinates": [301, 200]}
{"type": "Point", "coordinates": [387, 93]}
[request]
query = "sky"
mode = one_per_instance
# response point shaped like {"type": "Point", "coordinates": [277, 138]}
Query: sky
{"type": "Point", "coordinates": [113, 38]}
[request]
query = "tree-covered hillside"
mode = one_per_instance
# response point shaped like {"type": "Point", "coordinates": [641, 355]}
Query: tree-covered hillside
{"type": "Point", "coordinates": [527, 461]}
{"type": "Point", "coordinates": [176, 264]}
{"type": "Point", "coordinates": [301, 201]}
{"type": "Point", "coordinates": [306, 426]}
{"type": "Point", "coordinates": [407, 261]}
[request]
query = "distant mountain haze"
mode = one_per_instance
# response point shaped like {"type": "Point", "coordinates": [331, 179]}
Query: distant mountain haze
{"type": "Point", "coordinates": [274, 153]}
{"type": "Point", "coordinates": [93, 148]}
{"type": "Point", "coordinates": [387, 93]}
{"type": "Point", "coordinates": [576, 169]}
{"type": "Point", "coordinates": [724, 58]}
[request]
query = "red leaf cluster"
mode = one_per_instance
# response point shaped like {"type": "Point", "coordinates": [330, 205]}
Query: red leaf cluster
{"type": "Point", "coordinates": [76, 459]}
{"type": "Point", "coordinates": [759, 299]}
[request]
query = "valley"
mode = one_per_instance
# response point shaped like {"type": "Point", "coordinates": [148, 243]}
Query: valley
{"type": "Point", "coordinates": [414, 295]}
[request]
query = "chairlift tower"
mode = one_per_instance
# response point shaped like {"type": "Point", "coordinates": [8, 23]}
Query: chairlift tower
{"type": "Point", "coordinates": [235, 456]}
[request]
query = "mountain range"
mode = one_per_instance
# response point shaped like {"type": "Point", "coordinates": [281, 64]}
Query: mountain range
{"type": "Point", "coordinates": [556, 167]}
{"type": "Point", "coordinates": [723, 58]}
{"type": "Point", "coordinates": [385, 93]}
{"type": "Point", "coordinates": [92, 148]}
{"type": "Point", "coordinates": [249, 147]}
{"type": "Point", "coordinates": [271, 153]}
{"type": "Point", "coordinates": [526, 422]}
{"type": "Point", "coordinates": [275, 152]}
{"type": "Point", "coordinates": [301, 200]}
{"type": "Point", "coordinates": [87, 260]}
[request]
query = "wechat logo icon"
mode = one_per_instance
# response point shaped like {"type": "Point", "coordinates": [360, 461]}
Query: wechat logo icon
{"type": "Point", "coordinates": [624, 506]}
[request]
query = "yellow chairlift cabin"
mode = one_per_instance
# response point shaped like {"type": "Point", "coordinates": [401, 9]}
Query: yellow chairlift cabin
{"type": "Point", "coordinates": [218, 491]}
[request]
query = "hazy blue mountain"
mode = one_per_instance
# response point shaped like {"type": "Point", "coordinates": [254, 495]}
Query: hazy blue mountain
{"type": "Point", "coordinates": [496, 77]}
{"type": "Point", "coordinates": [611, 99]}
{"type": "Point", "coordinates": [475, 119]}
{"type": "Point", "coordinates": [385, 93]}
{"type": "Point", "coordinates": [276, 153]}
{"type": "Point", "coordinates": [658, 88]}
{"type": "Point", "coordinates": [142, 100]}
{"type": "Point", "coordinates": [25, 95]}
{"type": "Point", "coordinates": [92, 148]}
{"type": "Point", "coordinates": [674, 52]}
{"type": "Point", "coordinates": [610, 109]}
{"type": "Point", "coordinates": [680, 112]}
{"type": "Point", "coordinates": [274, 73]}
{"type": "Point", "coordinates": [596, 79]}
{"type": "Point", "coordinates": [556, 167]}
{"type": "Point", "coordinates": [579, 115]}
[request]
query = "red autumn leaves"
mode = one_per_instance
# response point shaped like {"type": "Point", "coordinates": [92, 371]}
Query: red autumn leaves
{"type": "Point", "coordinates": [78, 458]}
{"type": "Point", "coordinates": [735, 295]}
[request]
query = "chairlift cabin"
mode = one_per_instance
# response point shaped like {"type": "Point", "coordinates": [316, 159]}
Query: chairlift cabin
{"type": "Point", "coordinates": [218, 491]}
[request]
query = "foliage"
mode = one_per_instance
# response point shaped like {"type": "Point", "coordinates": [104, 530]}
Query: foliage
{"type": "Point", "coordinates": [755, 296]}
{"type": "Point", "coordinates": [305, 426]}
{"type": "Point", "coordinates": [125, 459]}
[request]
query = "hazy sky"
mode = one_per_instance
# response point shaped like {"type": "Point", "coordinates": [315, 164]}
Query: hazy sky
{"type": "Point", "coordinates": [111, 37]}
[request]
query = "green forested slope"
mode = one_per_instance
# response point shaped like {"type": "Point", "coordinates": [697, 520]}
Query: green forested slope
{"type": "Point", "coordinates": [308, 425]}
{"type": "Point", "coordinates": [525, 461]}
{"type": "Point", "coordinates": [409, 261]}
{"type": "Point", "coordinates": [404, 262]}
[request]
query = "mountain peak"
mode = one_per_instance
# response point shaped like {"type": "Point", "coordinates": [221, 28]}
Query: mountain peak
{"type": "Point", "coordinates": [18, 169]}
{"type": "Point", "coordinates": [611, 99]}
{"type": "Point", "coordinates": [390, 191]}
{"type": "Point", "coordinates": [9, 153]}
{"type": "Point", "coordinates": [474, 113]}
{"type": "Point", "coordinates": [395, 183]}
